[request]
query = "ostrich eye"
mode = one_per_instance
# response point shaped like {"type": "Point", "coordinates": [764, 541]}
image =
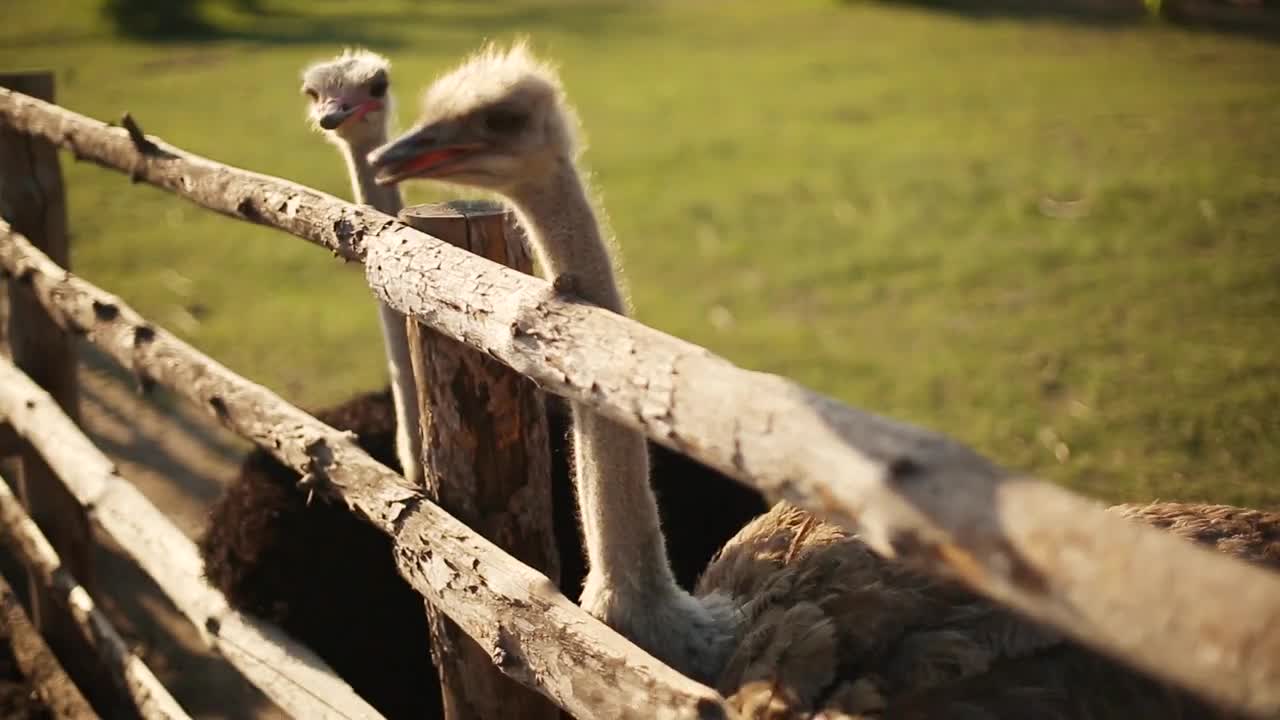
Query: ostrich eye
{"type": "Point", "coordinates": [378, 88]}
{"type": "Point", "coordinates": [311, 94]}
{"type": "Point", "coordinates": [505, 121]}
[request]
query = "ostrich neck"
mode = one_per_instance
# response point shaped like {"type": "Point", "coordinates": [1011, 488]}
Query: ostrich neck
{"type": "Point", "coordinates": [384, 198]}
{"type": "Point", "coordinates": [395, 335]}
{"type": "Point", "coordinates": [625, 548]}
{"type": "Point", "coordinates": [566, 236]}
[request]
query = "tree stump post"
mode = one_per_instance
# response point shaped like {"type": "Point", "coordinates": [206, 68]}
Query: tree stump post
{"type": "Point", "coordinates": [486, 460]}
{"type": "Point", "coordinates": [32, 200]}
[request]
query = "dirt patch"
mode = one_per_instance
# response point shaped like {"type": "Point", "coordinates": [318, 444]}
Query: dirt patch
{"type": "Point", "coordinates": [18, 697]}
{"type": "Point", "coordinates": [180, 460]}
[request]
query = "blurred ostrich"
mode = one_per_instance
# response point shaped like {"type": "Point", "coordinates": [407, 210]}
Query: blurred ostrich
{"type": "Point", "coordinates": [313, 567]}
{"type": "Point", "coordinates": [794, 616]}
{"type": "Point", "coordinates": [350, 104]}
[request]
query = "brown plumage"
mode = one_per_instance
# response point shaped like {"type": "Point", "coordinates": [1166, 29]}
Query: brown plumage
{"type": "Point", "coordinates": [1252, 535]}
{"type": "Point", "coordinates": [834, 629]}
{"type": "Point", "coordinates": [313, 567]}
{"type": "Point", "coordinates": [796, 618]}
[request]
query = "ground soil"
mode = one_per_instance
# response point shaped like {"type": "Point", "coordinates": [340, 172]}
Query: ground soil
{"type": "Point", "coordinates": [181, 461]}
{"type": "Point", "coordinates": [18, 698]}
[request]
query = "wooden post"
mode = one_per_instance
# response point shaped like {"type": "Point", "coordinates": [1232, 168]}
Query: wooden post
{"type": "Point", "coordinates": [486, 461]}
{"type": "Point", "coordinates": [33, 202]}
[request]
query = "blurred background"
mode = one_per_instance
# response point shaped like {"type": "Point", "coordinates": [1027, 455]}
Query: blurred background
{"type": "Point", "coordinates": [1049, 228]}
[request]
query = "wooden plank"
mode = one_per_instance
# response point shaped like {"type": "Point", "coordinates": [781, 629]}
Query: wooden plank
{"type": "Point", "coordinates": [150, 698]}
{"type": "Point", "coordinates": [291, 675]}
{"type": "Point", "coordinates": [38, 663]}
{"type": "Point", "coordinates": [529, 629]}
{"type": "Point", "coordinates": [912, 494]}
{"type": "Point", "coordinates": [33, 201]}
{"type": "Point", "coordinates": [486, 459]}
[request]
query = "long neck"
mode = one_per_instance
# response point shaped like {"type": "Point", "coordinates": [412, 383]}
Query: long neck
{"type": "Point", "coordinates": [566, 236]}
{"type": "Point", "coordinates": [625, 546]}
{"type": "Point", "coordinates": [395, 336]}
{"type": "Point", "coordinates": [384, 198]}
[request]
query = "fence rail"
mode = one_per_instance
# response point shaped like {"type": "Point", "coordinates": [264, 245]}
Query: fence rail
{"type": "Point", "coordinates": [150, 699]}
{"type": "Point", "coordinates": [1204, 621]}
{"type": "Point", "coordinates": [290, 674]}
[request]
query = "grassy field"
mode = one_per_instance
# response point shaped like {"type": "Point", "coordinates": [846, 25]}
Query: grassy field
{"type": "Point", "coordinates": [1057, 241]}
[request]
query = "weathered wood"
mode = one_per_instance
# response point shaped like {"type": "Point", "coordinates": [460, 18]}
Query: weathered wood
{"type": "Point", "coordinates": [150, 699]}
{"type": "Point", "coordinates": [291, 675]}
{"type": "Point", "coordinates": [38, 663]}
{"type": "Point", "coordinates": [529, 630]}
{"type": "Point", "coordinates": [486, 460]}
{"type": "Point", "coordinates": [33, 202]}
{"type": "Point", "coordinates": [913, 494]}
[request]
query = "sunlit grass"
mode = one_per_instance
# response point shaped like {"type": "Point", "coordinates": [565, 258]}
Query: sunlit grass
{"type": "Point", "coordinates": [1057, 242]}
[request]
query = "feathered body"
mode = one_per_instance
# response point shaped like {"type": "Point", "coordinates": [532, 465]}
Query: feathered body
{"type": "Point", "coordinates": [830, 627]}
{"type": "Point", "coordinates": [324, 575]}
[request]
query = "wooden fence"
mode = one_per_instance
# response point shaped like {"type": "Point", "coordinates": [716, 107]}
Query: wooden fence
{"type": "Point", "coordinates": [1203, 621]}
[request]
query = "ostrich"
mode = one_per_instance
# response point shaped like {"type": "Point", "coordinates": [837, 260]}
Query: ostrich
{"type": "Point", "coordinates": [349, 102]}
{"type": "Point", "coordinates": [794, 615]}
{"type": "Point", "coordinates": [311, 566]}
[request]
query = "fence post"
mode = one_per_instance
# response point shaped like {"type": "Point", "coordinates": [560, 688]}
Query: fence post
{"type": "Point", "coordinates": [33, 202]}
{"type": "Point", "coordinates": [486, 461]}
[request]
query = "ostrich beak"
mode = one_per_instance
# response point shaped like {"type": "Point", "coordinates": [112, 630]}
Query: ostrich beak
{"type": "Point", "coordinates": [334, 113]}
{"type": "Point", "coordinates": [423, 151]}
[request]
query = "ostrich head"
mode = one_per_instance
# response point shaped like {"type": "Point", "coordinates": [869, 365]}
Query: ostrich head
{"type": "Point", "coordinates": [497, 121]}
{"type": "Point", "coordinates": [349, 98]}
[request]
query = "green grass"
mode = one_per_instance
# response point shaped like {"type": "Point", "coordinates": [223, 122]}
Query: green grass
{"type": "Point", "coordinates": [860, 196]}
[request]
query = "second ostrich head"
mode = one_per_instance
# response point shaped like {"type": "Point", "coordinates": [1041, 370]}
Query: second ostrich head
{"type": "Point", "coordinates": [498, 121]}
{"type": "Point", "coordinates": [350, 99]}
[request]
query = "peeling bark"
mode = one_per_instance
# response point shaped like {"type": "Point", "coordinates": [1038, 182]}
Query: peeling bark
{"type": "Point", "coordinates": [1193, 618]}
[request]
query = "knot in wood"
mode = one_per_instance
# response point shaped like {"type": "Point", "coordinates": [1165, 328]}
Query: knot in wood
{"type": "Point", "coordinates": [902, 469]}
{"type": "Point", "coordinates": [219, 407]}
{"type": "Point", "coordinates": [319, 458]}
{"type": "Point", "coordinates": [247, 210]}
{"type": "Point", "coordinates": [105, 312]}
{"type": "Point", "coordinates": [143, 335]}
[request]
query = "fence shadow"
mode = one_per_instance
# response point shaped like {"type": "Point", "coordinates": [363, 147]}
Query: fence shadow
{"type": "Point", "coordinates": [165, 449]}
{"type": "Point", "coordinates": [1253, 18]}
{"type": "Point", "coordinates": [186, 21]}
{"type": "Point", "coordinates": [205, 684]}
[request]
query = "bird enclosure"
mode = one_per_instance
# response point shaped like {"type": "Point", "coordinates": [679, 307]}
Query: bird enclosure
{"type": "Point", "coordinates": [1205, 622]}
